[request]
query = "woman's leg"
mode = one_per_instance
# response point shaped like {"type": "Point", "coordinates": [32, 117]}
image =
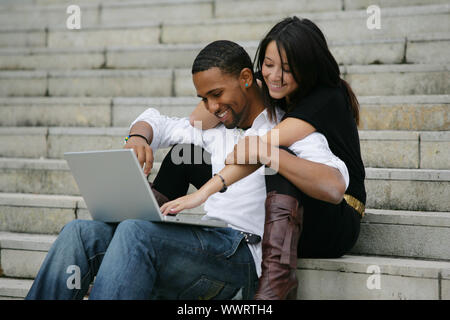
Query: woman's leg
{"type": "Point", "coordinates": [330, 231]}
{"type": "Point", "coordinates": [282, 229]}
{"type": "Point", "coordinates": [172, 180]}
{"type": "Point", "coordinates": [326, 231]}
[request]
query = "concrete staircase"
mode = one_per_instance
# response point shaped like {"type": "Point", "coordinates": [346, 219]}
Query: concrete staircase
{"type": "Point", "coordinates": [71, 90]}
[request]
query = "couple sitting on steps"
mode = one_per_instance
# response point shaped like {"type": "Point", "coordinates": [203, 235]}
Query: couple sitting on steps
{"type": "Point", "coordinates": [302, 118]}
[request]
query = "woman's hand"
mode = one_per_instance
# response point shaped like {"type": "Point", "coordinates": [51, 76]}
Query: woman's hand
{"type": "Point", "coordinates": [186, 202]}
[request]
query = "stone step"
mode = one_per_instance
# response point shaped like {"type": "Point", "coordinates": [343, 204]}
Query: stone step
{"type": "Point", "coordinates": [366, 80]}
{"type": "Point", "coordinates": [22, 254]}
{"type": "Point", "coordinates": [405, 149]}
{"type": "Point", "coordinates": [47, 214]}
{"type": "Point", "coordinates": [408, 189]}
{"type": "Point", "coordinates": [356, 277]}
{"type": "Point", "coordinates": [383, 232]}
{"type": "Point", "coordinates": [228, 7]}
{"type": "Point", "coordinates": [396, 189]}
{"type": "Point", "coordinates": [156, 82]}
{"type": "Point", "coordinates": [38, 4]}
{"type": "Point", "coordinates": [369, 80]}
{"type": "Point", "coordinates": [415, 49]}
{"type": "Point", "coordinates": [380, 149]}
{"type": "Point", "coordinates": [424, 235]}
{"type": "Point", "coordinates": [416, 113]}
{"type": "Point", "coordinates": [398, 79]}
{"type": "Point", "coordinates": [348, 277]}
{"type": "Point", "coordinates": [337, 25]}
{"type": "Point", "coordinates": [395, 22]}
{"type": "Point", "coordinates": [96, 14]}
{"type": "Point", "coordinates": [241, 8]}
{"type": "Point", "coordinates": [41, 176]}
{"type": "Point", "coordinates": [14, 289]}
{"type": "Point", "coordinates": [87, 112]}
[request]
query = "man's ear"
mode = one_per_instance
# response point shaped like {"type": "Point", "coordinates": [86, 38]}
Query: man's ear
{"type": "Point", "coordinates": [246, 78]}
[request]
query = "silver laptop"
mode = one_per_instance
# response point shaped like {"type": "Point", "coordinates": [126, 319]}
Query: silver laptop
{"type": "Point", "coordinates": [115, 188]}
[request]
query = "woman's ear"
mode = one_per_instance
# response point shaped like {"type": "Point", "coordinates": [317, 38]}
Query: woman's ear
{"type": "Point", "coordinates": [246, 78]}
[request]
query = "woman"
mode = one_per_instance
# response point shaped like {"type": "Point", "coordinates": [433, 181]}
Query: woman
{"type": "Point", "coordinates": [299, 74]}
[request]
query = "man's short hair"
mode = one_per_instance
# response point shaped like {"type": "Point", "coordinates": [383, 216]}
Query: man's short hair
{"type": "Point", "coordinates": [226, 55]}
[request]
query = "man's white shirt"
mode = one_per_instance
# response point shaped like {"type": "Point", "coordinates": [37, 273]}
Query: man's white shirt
{"type": "Point", "coordinates": [242, 205]}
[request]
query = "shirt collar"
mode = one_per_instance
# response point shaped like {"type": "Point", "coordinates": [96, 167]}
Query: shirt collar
{"type": "Point", "coordinates": [263, 118]}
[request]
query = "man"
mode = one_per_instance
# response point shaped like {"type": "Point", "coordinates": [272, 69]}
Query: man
{"type": "Point", "coordinates": [139, 259]}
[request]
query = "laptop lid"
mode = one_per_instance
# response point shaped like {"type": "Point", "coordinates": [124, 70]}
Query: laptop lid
{"type": "Point", "coordinates": [113, 185]}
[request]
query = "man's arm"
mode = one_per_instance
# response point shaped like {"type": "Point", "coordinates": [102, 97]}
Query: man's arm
{"type": "Point", "coordinates": [160, 131]}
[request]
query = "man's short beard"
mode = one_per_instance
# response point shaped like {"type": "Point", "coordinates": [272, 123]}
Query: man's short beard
{"type": "Point", "coordinates": [236, 120]}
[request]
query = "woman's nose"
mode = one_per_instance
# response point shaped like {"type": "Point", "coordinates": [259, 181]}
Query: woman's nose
{"type": "Point", "coordinates": [275, 75]}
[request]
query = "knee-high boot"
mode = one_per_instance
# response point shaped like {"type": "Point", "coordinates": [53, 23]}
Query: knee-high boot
{"type": "Point", "coordinates": [160, 198]}
{"type": "Point", "coordinates": [282, 229]}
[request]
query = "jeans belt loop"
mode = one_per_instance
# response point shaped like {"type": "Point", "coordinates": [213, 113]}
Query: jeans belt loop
{"type": "Point", "coordinates": [251, 238]}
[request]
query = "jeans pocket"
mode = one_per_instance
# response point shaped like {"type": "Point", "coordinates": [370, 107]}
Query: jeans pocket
{"type": "Point", "coordinates": [205, 288]}
{"type": "Point", "coordinates": [219, 242]}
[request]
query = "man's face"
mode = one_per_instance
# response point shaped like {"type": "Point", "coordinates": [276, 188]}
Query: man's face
{"type": "Point", "coordinates": [223, 96]}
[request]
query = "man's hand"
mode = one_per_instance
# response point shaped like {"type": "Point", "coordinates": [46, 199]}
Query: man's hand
{"type": "Point", "coordinates": [143, 152]}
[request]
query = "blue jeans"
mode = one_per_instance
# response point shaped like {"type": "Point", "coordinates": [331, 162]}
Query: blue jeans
{"type": "Point", "coordinates": [139, 259]}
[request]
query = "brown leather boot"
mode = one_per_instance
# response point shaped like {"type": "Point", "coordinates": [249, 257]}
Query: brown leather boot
{"type": "Point", "coordinates": [282, 231]}
{"type": "Point", "coordinates": [160, 198]}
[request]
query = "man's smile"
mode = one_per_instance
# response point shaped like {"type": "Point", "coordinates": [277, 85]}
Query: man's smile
{"type": "Point", "coordinates": [222, 115]}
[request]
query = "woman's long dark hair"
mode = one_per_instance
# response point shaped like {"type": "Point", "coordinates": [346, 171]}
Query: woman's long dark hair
{"type": "Point", "coordinates": [309, 59]}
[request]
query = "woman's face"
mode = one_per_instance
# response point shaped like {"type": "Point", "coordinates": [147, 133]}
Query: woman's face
{"type": "Point", "coordinates": [273, 69]}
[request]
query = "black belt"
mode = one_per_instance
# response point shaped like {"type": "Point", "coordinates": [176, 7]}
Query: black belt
{"type": "Point", "coordinates": [251, 238]}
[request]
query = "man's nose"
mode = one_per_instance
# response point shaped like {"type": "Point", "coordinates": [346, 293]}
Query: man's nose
{"type": "Point", "coordinates": [213, 107]}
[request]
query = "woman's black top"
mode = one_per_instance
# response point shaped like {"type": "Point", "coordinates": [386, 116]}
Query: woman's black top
{"type": "Point", "coordinates": [328, 111]}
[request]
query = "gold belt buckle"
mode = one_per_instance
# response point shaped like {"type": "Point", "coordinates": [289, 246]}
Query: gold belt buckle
{"type": "Point", "coordinates": [355, 204]}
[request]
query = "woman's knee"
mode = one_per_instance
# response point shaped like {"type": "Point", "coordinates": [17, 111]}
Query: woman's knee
{"type": "Point", "coordinates": [130, 226]}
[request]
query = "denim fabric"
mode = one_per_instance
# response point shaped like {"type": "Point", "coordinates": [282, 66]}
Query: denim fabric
{"type": "Point", "coordinates": [139, 259]}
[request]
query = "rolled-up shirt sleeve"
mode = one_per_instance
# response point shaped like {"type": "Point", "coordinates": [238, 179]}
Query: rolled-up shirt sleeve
{"type": "Point", "coordinates": [314, 147]}
{"type": "Point", "coordinates": [168, 131]}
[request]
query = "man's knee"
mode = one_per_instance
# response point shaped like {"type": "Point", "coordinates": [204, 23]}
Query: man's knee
{"type": "Point", "coordinates": [76, 225]}
{"type": "Point", "coordinates": [135, 229]}
{"type": "Point", "coordinates": [87, 228]}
